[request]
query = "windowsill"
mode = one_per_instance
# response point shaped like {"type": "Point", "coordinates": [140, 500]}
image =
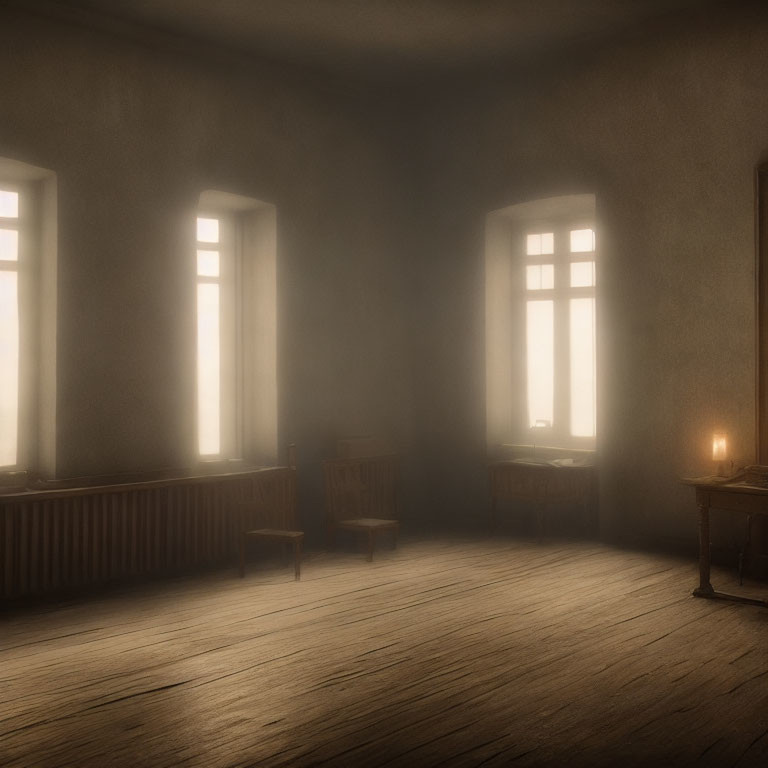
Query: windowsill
{"type": "Point", "coordinates": [13, 480]}
{"type": "Point", "coordinates": [124, 482]}
{"type": "Point", "coordinates": [546, 454]}
{"type": "Point", "coordinates": [215, 466]}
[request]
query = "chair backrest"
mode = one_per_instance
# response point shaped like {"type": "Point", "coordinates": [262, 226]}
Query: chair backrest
{"type": "Point", "coordinates": [361, 487]}
{"type": "Point", "coordinates": [271, 502]}
{"type": "Point", "coordinates": [359, 446]}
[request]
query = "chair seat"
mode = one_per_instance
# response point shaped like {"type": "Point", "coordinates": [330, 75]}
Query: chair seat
{"type": "Point", "coordinates": [296, 539]}
{"type": "Point", "coordinates": [371, 525]}
{"type": "Point", "coordinates": [274, 533]}
{"type": "Point", "coordinates": [367, 522]}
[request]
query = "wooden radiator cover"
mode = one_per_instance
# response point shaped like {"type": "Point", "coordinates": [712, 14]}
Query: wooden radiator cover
{"type": "Point", "coordinates": [52, 539]}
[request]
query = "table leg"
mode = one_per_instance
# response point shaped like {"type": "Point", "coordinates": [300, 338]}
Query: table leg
{"type": "Point", "coordinates": [705, 587]}
{"type": "Point", "coordinates": [745, 551]}
{"type": "Point", "coordinates": [242, 555]}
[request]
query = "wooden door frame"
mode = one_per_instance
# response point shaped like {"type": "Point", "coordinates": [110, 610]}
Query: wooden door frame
{"type": "Point", "coordinates": [761, 311]}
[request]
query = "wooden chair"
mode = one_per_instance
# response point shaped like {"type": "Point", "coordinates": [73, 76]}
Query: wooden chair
{"type": "Point", "coordinates": [271, 516]}
{"type": "Point", "coordinates": [361, 496]}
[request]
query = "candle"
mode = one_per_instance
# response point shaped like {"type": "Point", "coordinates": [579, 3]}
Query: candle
{"type": "Point", "coordinates": [719, 447]}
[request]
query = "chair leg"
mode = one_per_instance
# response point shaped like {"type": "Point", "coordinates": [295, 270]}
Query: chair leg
{"type": "Point", "coordinates": [541, 522]}
{"type": "Point", "coordinates": [242, 555]}
{"type": "Point", "coordinates": [297, 559]}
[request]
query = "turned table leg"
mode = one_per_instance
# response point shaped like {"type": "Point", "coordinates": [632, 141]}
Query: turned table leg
{"type": "Point", "coordinates": [705, 587]}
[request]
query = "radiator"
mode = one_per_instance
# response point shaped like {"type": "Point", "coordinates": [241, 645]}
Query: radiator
{"type": "Point", "coordinates": [54, 539]}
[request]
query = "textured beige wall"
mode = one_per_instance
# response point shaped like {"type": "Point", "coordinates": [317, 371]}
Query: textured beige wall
{"type": "Point", "coordinates": [134, 136]}
{"type": "Point", "coordinates": [666, 130]}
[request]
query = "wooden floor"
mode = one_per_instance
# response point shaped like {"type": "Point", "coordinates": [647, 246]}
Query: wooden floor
{"type": "Point", "coordinates": [461, 652]}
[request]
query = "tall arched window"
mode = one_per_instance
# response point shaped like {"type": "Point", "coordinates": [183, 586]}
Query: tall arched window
{"type": "Point", "coordinates": [236, 329]}
{"type": "Point", "coordinates": [541, 323]}
{"type": "Point", "coordinates": [27, 318]}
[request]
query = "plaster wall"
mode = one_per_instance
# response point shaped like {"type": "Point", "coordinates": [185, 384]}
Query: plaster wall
{"type": "Point", "coordinates": [135, 134]}
{"type": "Point", "coordinates": [666, 130]}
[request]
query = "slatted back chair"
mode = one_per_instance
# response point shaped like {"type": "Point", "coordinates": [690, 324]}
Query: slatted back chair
{"type": "Point", "coordinates": [361, 495]}
{"type": "Point", "coordinates": [270, 514]}
{"type": "Point", "coordinates": [358, 446]}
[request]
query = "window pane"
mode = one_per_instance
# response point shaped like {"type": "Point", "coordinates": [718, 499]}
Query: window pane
{"type": "Point", "coordinates": [540, 244]}
{"type": "Point", "coordinates": [583, 400]}
{"type": "Point", "coordinates": [9, 204]}
{"type": "Point", "coordinates": [582, 274]}
{"type": "Point", "coordinates": [540, 353]}
{"type": "Point", "coordinates": [540, 276]}
{"type": "Point", "coordinates": [207, 230]}
{"type": "Point", "coordinates": [208, 263]}
{"type": "Point", "coordinates": [208, 370]}
{"type": "Point", "coordinates": [9, 245]}
{"type": "Point", "coordinates": [582, 240]}
{"type": "Point", "coordinates": [9, 368]}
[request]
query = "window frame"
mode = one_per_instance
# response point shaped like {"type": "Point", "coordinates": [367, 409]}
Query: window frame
{"type": "Point", "coordinates": [250, 411]}
{"type": "Point", "coordinates": [230, 350]}
{"type": "Point", "coordinates": [559, 432]}
{"type": "Point", "coordinates": [26, 268]}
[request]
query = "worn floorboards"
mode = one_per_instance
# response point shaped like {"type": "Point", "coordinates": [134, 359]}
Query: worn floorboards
{"type": "Point", "coordinates": [452, 652]}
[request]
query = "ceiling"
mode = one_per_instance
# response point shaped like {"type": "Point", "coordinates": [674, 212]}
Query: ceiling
{"type": "Point", "coordinates": [393, 37]}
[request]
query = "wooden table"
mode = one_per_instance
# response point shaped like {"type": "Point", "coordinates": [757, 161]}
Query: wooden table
{"type": "Point", "coordinates": [736, 494]}
{"type": "Point", "coordinates": [542, 484]}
